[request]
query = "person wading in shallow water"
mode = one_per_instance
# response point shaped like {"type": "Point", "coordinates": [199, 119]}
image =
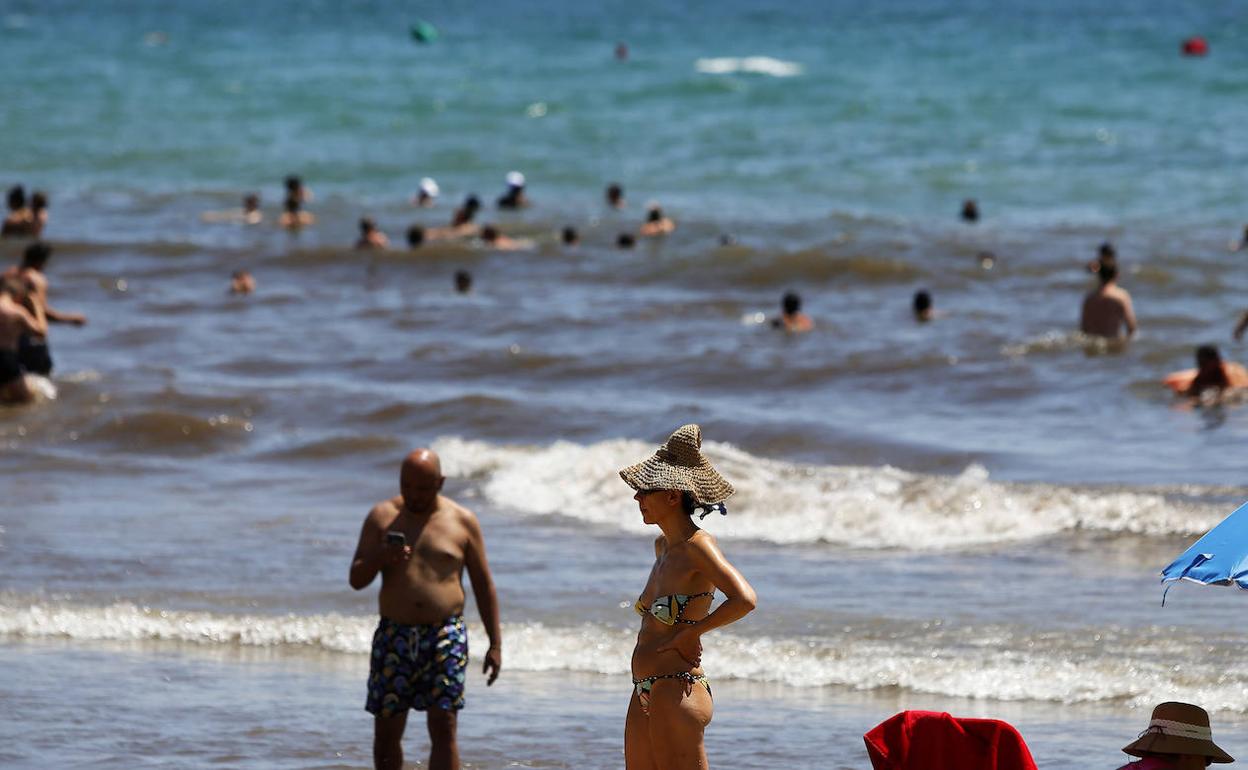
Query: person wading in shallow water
{"type": "Point", "coordinates": [671, 702]}
{"type": "Point", "coordinates": [421, 542]}
{"type": "Point", "coordinates": [33, 349]}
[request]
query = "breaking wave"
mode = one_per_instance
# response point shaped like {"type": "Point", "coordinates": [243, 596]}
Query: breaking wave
{"type": "Point", "coordinates": [786, 502]}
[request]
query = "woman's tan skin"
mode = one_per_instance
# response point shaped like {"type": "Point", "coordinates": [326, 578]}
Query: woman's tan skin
{"type": "Point", "coordinates": [687, 561]}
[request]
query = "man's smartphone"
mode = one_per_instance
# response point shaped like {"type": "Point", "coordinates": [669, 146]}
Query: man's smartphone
{"type": "Point", "coordinates": [396, 538]}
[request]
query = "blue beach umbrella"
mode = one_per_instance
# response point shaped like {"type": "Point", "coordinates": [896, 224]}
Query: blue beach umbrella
{"type": "Point", "coordinates": [1218, 558]}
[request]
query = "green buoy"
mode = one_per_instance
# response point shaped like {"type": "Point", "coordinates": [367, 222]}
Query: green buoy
{"type": "Point", "coordinates": [424, 32]}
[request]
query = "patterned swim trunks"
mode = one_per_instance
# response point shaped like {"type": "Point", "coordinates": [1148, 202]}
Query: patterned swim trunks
{"type": "Point", "coordinates": [417, 667]}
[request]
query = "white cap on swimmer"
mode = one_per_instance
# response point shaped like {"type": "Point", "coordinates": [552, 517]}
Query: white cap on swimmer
{"type": "Point", "coordinates": [429, 187]}
{"type": "Point", "coordinates": [515, 179]}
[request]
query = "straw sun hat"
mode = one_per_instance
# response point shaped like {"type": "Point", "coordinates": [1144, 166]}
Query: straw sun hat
{"type": "Point", "coordinates": [1178, 728]}
{"type": "Point", "coordinates": [679, 464]}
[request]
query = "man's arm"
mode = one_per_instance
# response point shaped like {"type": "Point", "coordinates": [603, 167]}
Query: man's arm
{"type": "Point", "coordinates": [372, 553]}
{"type": "Point", "coordinates": [59, 317]}
{"type": "Point", "coordinates": [483, 591]}
{"type": "Point", "coordinates": [1128, 314]}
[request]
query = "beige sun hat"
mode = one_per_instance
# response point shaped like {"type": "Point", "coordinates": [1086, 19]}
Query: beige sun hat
{"type": "Point", "coordinates": [1178, 728]}
{"type": "Point", "coordinates": [680, 464]}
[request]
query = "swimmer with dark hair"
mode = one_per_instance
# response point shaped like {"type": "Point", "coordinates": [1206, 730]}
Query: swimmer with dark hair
{"type": "Point", "coordinates": [792, 319]}
{"type": "Point", "coordinates": [657, 223]}
{"type": "Point", "coordinates": [463, 281]}
{"type": "Point", "coordinates": [625, 241]}
{"type": "Point", "coordinates": [1107, 309]}
{"type": "Point", "coordinates": [295, 188]}
{"type": "Point", "coordinates": [970, 211]}
{"type": "Point", "coordinates": [249, 214]}
{"type": "Point", "coordinates": [38, 212]}
{"type": "Point", "coordinates": [33, 351]}
{"type": "Point", "coordinates": [1105, 253]}
{"type": "Point", "coordinates": [371, 237]}
{"type": "Point", "coordinates": [19, 222]}
{"type": "Point", "coordinates": [492, 238]}
{"type": "Point", "coordinates": [462, 224]}
{"type": "Point", "coordinates": [615, 196]}
{"type": "Point", "coordinates": [570, 237]}
{"type": "Point", "coordinates": [1210, 372]}
{"type": "Point", "coordinates": [415, 236]}
{"type": "Point", "coordinates": [922, 304]}
{"type": "Point", "coordinates": [293, 216]}
{"type": "Point", "coordinates": [241, 283]}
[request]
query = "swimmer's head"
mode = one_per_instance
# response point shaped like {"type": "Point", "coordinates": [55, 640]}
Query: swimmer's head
{"type": "Point", "coordinates": [472, 203]}
{"type": "Point", "coordinates": [727, 239]}
{"type": "Point", "coordinates": [655, 214]}
{"type": "Point", "coordinates": [570, 236]}
{"type": "Point", "coordinates": [293, 184]}
{"type": "Point", "coordinates": [415, 236]}
{"type": "Point", "coordinates": [251, 202]}
{"type": "Point", "coordinates": [1106, 251]}
{"type": "Point", "coordinates": [515, 180]}
{"type": "Point", "coordinates": [1208, 355]}
{"type": "Point", "coordinates": [791, 303]}
{"type": "Point", "coordinates": [615, 194]}
{"type": "Point", "coordinates": [489, 233]}
{"type": "Point", "coordinates": [38, 200]}
{"type": "Point", "coordinates": [367, 225]}
{"type": "Point", "coordinates": [17, 198]}
{"type": "Point", "coordinates": [922, 302]}
{"type": "Point", "coordinates": [463, 281]}
{"type": "Point", "coordinates": [625, 241]}
{"type": "Point", "coordinates": [970, 210]}
{"type": "Point", "coordinates": [36, 255]}
{"type": "Point", "coordinates": [1107, 270]}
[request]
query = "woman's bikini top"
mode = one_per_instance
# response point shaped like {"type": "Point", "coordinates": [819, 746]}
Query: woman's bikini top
{"type": "Point", "coordinates": [669, 610]}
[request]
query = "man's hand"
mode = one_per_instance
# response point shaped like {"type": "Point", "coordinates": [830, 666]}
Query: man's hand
{"type": "Point", "coordinates": [493, 662]}
{"type": "Point", "coordinates": [393, 553]}
{"type": "Point", "coordinates": [688, 644]}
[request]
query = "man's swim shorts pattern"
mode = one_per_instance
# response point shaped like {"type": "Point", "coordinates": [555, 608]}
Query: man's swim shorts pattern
{"type": "Point", "coordinates": [417, 667]}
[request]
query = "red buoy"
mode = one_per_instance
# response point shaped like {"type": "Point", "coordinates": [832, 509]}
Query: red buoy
{"type": "Point", "coordinates": [1195, 46]}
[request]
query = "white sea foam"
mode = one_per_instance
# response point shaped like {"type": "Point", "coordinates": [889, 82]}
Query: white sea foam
{"type": "Point", "coordinates": [1138, 667]}
{"type": "Point", "coordinates": [784, 502]}
{"type": "Point", "coordinates": [754, 65]}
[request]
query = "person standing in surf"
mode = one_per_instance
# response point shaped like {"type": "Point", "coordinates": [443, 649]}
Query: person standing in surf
{"type": "Point", "coordinates": [671, 703]}
{"type": "Point", "coordinates": [421, 542]}
{"type": "Point", "coordinates": [34, 353]}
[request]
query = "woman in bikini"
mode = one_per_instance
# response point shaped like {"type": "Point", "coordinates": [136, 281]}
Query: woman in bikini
{"type": "Point", "coordinates": [671, 702]}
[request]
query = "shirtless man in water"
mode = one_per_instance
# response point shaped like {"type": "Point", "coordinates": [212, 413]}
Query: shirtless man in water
{"type": "Point", "coordinates": [1107, 308]}
{"type": "Point", "coordinates": [421, 542]}
{"type": "Point", "coordinates": [33, 348]}
{"type": "Point", "coordinates": [15, 320]}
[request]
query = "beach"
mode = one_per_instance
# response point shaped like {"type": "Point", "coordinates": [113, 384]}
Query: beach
{"type": "Point", "coordinates": [968, 515]}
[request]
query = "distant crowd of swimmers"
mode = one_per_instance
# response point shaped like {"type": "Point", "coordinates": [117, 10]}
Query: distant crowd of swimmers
{"type": "Point", "coordinates": [1107, 310]}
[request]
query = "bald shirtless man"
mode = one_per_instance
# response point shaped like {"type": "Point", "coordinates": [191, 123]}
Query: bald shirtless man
{"type": "Point", "coordinates": [1107, 308]}
{"type": "Point", "coordinates": [15, 320]}
{"type": "Point", "coordinates": [421, 542]}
